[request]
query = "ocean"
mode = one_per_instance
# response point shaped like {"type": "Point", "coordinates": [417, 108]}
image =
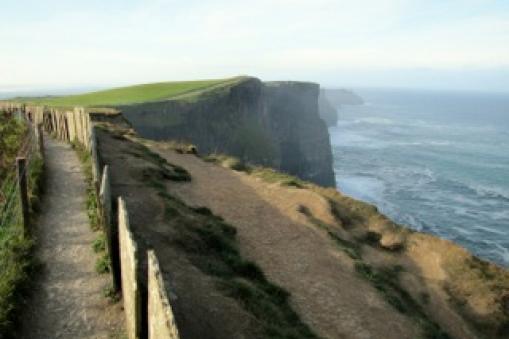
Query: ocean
{"type": "Point", "coordinates": [437, 162]}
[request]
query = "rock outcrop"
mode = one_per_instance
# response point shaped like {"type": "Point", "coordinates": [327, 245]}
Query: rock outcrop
{"type": "Point", "coordinates": [274, 124]}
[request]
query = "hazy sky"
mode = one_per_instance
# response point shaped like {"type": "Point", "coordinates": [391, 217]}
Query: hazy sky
{"type": "Point", "coordinates": [456, 44]}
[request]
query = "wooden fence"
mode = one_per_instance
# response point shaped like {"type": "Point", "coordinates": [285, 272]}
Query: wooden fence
{"type": "Point", "coordinates": [151, 318]}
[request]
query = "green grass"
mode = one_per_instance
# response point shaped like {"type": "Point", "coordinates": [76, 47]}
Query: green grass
{"type": "Point", "coordinates": [12, 133]}
{"type": "Point", "coordinates": [99, 244]}
{"type": "Point", "coordinates": [102, 264]}
{"type": "Point", "coordinates": [132, 94]}
{"type": "Point", "coordinates": [91, 202]}
{"type": "Point", "coordinates": [15, 275]}
{"type": "Point", "coordinates": [17, 266]}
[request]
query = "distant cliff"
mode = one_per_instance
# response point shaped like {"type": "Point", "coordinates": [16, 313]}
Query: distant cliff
{"type": "Point", "coordinates": [338, 97]}
{"type": "Point", "coordinates": [331, 99]}
{"type": "Point", "coordinates": [328, 112]}
{"type": "Point", "coordinates": [274, 124]}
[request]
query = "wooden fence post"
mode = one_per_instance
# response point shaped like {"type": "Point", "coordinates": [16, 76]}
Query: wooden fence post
{"type": "Point", "coordinates": [110, 229]}
{"type": "Point", "coordinates": [23, 191]}
{"type": "Point", "coordinates": [39, 137]}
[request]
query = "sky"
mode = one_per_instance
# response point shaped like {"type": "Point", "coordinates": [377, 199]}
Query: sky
{"type": "Point", "coordinates": [444, 44]}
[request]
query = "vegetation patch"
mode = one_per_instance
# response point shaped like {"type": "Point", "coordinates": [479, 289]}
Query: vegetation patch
{"type": "Point", "coordinates": [99, 244]}
{"type": "Point", "coordinates": [162, 170]}
{"type": "Point", "coordinates": [12, 132]}
{"type": "Point", "coordinates": [481, 277]}
{"type": "Point", "coordinates": [228, 161]}
{"type": "Point", "coordinates": [272, 176]}
{"type": "Point", "coordinates": [132, 94]}
{"type": "Point", "coordinates": [352, 249]}
{"type": "Point", "coordinates": [103, 262]}
{"type": "Point", "coordinates": [17, 265]}
{"type": "Point", "coordinates": [386, 281]}
{"type": "Point", "coordinates": [16, 274]}
{"type": "Point", "coordinates": [91, 197]}
{"type": "Point", "coordinates": [110, 293]}
{"type": "Point", "coordinates": [268, 175]}
{"type": "Point", "coordinates": [371, 238]}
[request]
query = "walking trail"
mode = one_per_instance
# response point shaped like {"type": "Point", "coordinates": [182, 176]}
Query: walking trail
{"type": "Point", "coordinates": [68, 300]}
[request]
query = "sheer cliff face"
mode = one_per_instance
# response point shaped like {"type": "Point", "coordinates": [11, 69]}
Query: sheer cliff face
{"type": "Point", "coordinates": [274, 124]}
{"type": "Point", "coordinates": [302, 137]}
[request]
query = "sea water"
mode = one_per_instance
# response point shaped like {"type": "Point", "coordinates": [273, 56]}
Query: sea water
{"type": "Point", "coordinates": [435, 161]}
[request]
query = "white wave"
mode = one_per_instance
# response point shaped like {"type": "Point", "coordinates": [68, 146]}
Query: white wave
{"type": "Point", "coordinates": [489, 230]}
{"type": "Point", "coordinates": [463, 231]}
{"type": "Point", "coordinates": [487, 191]}
{"type": "Point", "coordinates": [368, 120]}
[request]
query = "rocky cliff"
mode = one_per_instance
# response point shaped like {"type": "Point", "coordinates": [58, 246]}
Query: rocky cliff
{"type": "Point", "coordinates": [274, 124]}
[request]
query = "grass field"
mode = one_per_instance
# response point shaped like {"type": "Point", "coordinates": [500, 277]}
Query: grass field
{"type": "Point", "coordinates": [133, 94]}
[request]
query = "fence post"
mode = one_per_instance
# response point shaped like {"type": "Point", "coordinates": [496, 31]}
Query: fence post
{"type": "Point", "coordinates": [39, 137]}
{"type": "Point", "coordinates": [23, 191]}
{"type": "Point", "coordinates": [109, 228]}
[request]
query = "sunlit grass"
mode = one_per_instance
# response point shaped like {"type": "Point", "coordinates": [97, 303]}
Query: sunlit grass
{"type": "Point", "coordinates": [131, 94]}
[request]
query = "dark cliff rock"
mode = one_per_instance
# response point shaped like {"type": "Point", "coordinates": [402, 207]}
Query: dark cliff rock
{"type": "Point", "coordinates": [273, 124]}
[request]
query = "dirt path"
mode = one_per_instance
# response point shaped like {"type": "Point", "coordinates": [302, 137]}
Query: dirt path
{"type": "Point", "coordinates": [293, 253]}
{"type": "Point", "coordinates": [68, 300]}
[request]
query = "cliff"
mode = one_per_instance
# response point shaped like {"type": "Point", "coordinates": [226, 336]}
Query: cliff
{"type": "Point", "coordinates": [273, 124]}
{"type": "Point", "coordinates": [338, 97]}
{"type": "Point", "coordinates": [331, 99]}
{"type": "Point", "coordinates": [328, 112]}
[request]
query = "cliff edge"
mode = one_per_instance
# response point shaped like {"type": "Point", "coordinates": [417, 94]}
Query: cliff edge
{"type": "Point", "coordinates": [273, 124]}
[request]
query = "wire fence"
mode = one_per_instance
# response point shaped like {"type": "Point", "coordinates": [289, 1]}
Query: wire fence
{"type": "Point", "coordinates": [10, 203]}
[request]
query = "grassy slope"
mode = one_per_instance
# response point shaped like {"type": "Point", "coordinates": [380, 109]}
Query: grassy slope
{"type": "Point", "coordinates": [134, 94]}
